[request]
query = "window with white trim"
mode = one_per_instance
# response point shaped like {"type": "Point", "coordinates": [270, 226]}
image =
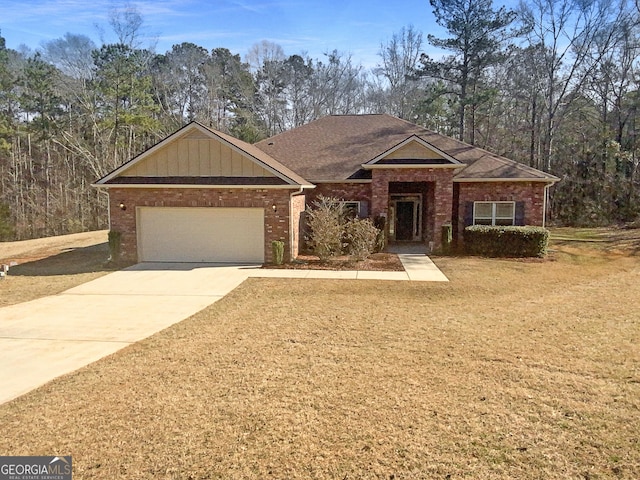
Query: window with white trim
{"type": "Point", "coordinates": [351, 209]}
{"type": "Point", "coordinates": [494, 213]}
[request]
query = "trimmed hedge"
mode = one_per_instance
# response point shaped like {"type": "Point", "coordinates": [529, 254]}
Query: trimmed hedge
{"type": "Point", "coordinates": [506, 241]}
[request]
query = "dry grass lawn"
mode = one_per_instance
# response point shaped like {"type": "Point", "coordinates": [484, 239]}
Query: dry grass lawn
{"type": "Point", "coordinates": [513, 370]}
{"type": "Point", "coordinates": [47, 266]}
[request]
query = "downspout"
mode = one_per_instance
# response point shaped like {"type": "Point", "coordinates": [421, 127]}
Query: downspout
{"type": "Point", "coordinates": [544, 204]}
{"type": "Point", "coordinates": [108, 208]}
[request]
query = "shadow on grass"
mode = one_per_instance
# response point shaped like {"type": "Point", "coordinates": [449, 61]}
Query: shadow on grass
{"type": "Point", "coordinates": [74, 261]}
{"type": "Point", "coordinates": [616, 247]}
{"type": "Point", "coordinates": [604, 241]}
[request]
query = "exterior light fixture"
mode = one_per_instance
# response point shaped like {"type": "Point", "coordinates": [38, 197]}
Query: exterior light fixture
{"type": "Point", "coordinates": [122, 206]}
{"type": "Point", "coordinates": [274, 207]}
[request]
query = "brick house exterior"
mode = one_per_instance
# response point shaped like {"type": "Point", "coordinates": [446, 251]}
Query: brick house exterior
{"type": "Point", "coordinates": [201, 195]}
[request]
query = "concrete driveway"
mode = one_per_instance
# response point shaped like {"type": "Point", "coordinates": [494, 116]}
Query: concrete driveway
{"type": "Point", "coordinates": [48, 337]}
{"type": "Point", "coordinates": [51, 336]}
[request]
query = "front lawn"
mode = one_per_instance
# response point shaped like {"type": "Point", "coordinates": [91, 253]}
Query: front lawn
{"type": "Point", "coordinates": [513, 369]}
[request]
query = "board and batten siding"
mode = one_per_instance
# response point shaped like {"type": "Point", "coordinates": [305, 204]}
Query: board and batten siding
{"type": "Point", "coordinates": [413, 150]}
{"type": "Point", "coordinates": [195, 155]}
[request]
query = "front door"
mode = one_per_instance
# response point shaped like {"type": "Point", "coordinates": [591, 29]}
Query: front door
{"type": "Point", "coordinates": [406, 217]}
{"type": "Point", "coordinates": [404, 220]}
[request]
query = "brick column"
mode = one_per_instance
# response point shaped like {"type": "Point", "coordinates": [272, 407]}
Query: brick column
{"type": "Point", "coordinates": [379, 193]}
{"type": "Point", "coordinates": [443, 197]}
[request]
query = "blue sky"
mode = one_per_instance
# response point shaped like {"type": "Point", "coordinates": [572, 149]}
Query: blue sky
{"type": "Point", "coordinates": [313, 26]}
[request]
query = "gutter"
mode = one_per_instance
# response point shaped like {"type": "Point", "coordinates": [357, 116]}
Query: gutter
{"type": "Point", "coordinates": [545, 200]}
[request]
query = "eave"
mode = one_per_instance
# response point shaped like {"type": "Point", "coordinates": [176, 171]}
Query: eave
{"type": "Point", "coordinates": [377, 166]}
{"type": "Point", "coordinates": [203, 186]}
{"type": "Point", "coordinates": [550, 180]}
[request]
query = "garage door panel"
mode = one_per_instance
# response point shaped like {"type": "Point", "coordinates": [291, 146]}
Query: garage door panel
{"type": "Point", "coordinates": [186, 234]}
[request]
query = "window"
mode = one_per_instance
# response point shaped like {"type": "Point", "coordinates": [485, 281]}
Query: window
{"type": "Point", "coordinates": [494, 213]}
{"type": "Point", "coordinates": [351, 209]}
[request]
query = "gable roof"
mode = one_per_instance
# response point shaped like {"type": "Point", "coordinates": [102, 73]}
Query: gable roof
{"type": "Point", "coordinates": [336, 147]}
{"type": "Point", "coordinates": [274, 172]}
{"type": "Point", "coordinates": [422, 153]}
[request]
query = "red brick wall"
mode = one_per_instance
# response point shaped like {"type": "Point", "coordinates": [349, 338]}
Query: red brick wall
{"type": "Point", "coordinates": [277, 223]}
{"type": "Point", "coordinates": [438, 205]}
{"type": "Point", "coordinates": [531, 193]}
{"type": "Point", "coordinates": [342, 191]}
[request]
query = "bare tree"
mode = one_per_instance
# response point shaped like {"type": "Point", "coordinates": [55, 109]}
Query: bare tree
{"type": "Point", "coordinates": [573, 36]}
{"type": "Point", "coordinates": [400, 58]}
{"type": "Point", "coordinates": [71, 54]}
{"type": "Point", "coordinates": [126, 23]}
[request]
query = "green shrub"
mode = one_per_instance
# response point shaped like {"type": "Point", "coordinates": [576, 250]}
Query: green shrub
{"type": "Point", "coordinates": [360, 237]}
{"type": "Point", "coordinates": [326, 220]}
{"type": "Point", "coordinates": [277, 248]}
{"type": "Point", "coordinates": [114, 238]}
{"type": "Point", "coordinates": [506, 241]}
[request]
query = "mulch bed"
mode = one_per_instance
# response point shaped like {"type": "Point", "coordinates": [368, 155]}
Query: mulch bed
{"type": "Point", "coordinates": [375, 262]}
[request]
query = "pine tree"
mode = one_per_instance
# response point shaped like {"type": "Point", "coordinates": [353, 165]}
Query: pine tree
{"type": "Point", "coordinates": [476, 36]}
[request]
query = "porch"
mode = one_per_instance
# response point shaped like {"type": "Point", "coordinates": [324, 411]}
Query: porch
{"type": "Point", "coordinates": [415, 202]}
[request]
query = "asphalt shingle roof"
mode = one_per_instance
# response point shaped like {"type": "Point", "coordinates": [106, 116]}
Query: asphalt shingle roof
{"type": "Point", "coordinates": [335, 147]}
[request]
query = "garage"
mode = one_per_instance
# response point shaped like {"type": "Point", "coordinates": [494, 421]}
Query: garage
{"type": "Point", "coordinates": [200, 234]}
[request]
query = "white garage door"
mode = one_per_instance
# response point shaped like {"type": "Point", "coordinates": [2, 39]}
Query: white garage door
{"type": "Point", "coordinates": [186, 234]}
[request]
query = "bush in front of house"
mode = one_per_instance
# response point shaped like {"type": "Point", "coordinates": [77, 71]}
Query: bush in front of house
{"type": "Point", "coordinates": [277, 249]}
{"type": "Point", "coordinates": [326, 220]}
{"type": "Point", "coordinates": [115, 240]}
{"type": "Point", "coordinates": [360, 237]}
{"type": "Point", "coordinates": [332, 233]}
{"type": "Point", "coordinates": [447, 239]}
{"type": "Point", "coordinates": [506, 241]}
{"type": "Point", "coordinates": [381, 238]}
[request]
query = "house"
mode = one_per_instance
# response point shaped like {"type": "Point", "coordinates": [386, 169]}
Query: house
{"type": "Point", "coordinates": [203, 196]}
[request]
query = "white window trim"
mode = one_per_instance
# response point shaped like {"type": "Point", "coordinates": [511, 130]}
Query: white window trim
{"type": "Point", "coordinates": [493, 212]}
{"type": "Point", "coordinates": [352, 202]}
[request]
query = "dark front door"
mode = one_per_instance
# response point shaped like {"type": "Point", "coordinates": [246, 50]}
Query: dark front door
{"type": "Point", "coordinates": [405, 216]}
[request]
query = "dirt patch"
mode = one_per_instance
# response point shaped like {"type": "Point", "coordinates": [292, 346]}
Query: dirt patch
{"type": "Point", "coordinates": [375, 262]}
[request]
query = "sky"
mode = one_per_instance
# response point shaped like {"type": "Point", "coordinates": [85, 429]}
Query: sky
{"type": "Point", "coordinates": [356, 27]}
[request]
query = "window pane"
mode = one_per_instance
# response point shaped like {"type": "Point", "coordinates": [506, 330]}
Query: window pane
{"type": "Point", "coordinates": [482, 221]}
{"type": "Point", "coordinates": [504, 210]}
{"type": "Point", "coordinates": [504, 221]}
{"type": "Point", "coordinates": [483, 210]}
{"type": "Point", "coordinates": [351, 209]}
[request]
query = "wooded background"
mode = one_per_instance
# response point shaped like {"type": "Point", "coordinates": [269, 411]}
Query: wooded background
{"type": "Point", "coordinates": [553, 84]}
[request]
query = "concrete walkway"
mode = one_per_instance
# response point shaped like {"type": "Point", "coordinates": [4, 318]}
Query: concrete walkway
{"type": "Point", "coordinates": [48, 337]}
{"type": "Point", "coordinates": [418, 268]}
